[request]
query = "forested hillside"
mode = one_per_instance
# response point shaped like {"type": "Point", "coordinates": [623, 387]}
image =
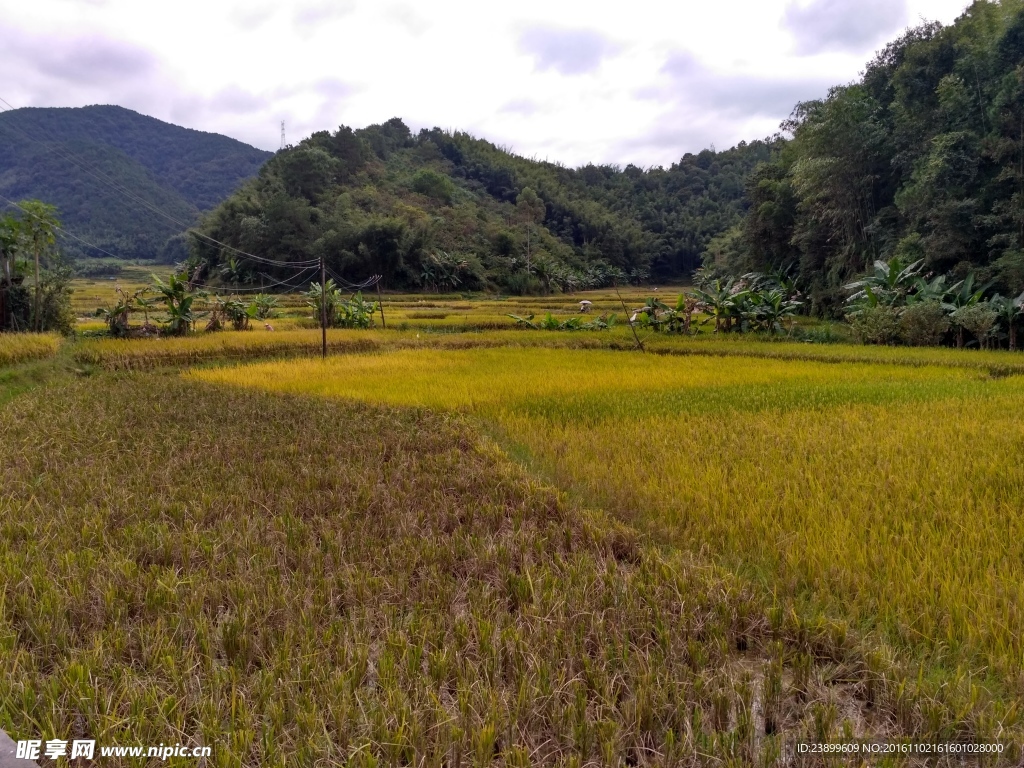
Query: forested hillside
{"type": "Point", "coordinates": [922, 158]}
{"type": "Point", "coordinates": [444, 209]}
{"type": "Point", "coordinates": [60, 156]}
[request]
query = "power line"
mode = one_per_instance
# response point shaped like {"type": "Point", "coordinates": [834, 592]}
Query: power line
{"type": "Point", "coordinates": [287, 282]}
{"type": "Point", "coordinates": [132, 196]}
{"type": "Point", "coordinates": [342, 283]}
{"type": "Point", "coordinates": [57, 227]}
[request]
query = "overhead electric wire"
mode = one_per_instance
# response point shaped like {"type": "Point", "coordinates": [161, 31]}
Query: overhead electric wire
{"type": "Point", "coordinates": [132, 196]}
{"type": "Point", "coordinates": [342, 283]}
{"type": "Point", "coordinates": [58, 228]}
{"type": "Point", "coordinates": [286, 282]}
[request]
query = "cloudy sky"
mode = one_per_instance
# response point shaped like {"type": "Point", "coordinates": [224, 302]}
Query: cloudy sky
{"type": "Point", "coordinates": [641, 81]}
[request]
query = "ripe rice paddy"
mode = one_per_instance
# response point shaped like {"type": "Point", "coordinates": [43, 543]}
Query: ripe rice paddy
{"type": "Point", "coordinates": [805, 542]}
{"type": "Point", "coordinates": [886, 495]}
{"type": "Point", "coordinates": [303, 581]}
{"type": "Point", "coordinates": [20, 347]}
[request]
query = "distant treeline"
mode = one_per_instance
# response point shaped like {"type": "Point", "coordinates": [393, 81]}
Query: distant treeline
{"type": "Point", "coordinates": [442, 209]}
{"type": "Point", "coordinates": [922, 158]}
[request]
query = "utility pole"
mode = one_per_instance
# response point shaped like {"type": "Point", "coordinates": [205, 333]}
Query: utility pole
{"type": "Point", "coordinates": [636, 337]}
{"type": "Point", "coordinates": [323, 306]}
{"type": "Point", "coordinates": [37, 320]}
{"type": "Point", "coordinates": [380, 304]}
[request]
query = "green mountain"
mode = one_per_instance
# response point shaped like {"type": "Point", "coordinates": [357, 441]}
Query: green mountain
{"type": "Point", "coordinates": [444, 209]}
{"type": "Point", "coordinates": [66, 157]}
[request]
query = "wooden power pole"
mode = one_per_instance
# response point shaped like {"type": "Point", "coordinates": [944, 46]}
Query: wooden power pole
{"type": "Point", "coordinates": [323, 306]}
{"type": "Point", "coordinates": [380, 305]}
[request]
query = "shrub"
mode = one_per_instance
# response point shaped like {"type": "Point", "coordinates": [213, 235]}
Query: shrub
{"type": "Point", "coordinates": [55, 302]}
{"type": "Point", "coordinates": [979, 319]}
{"type": "Point", "coordinates": [923, 324]}
{"type": "Point", "coordinates": [821, 334]}
{"type": "Point", "coordinates": [433, 184]}
{"type": "Point", "coordinates": [876, 325]}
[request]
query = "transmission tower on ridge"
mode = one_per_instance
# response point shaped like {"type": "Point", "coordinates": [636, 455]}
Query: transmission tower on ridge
{"type": "Point", "coordinates": [282, 134]}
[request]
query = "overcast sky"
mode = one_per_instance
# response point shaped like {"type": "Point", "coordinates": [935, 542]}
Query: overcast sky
{"type": "Point", "coordinates": [635, 81]}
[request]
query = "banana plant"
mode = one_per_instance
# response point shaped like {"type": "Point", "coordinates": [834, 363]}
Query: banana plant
{"type": "Point", "coordinates": [686, 305]}
{"type": "Point", "coordinates": [264, 306]}
{"type": "Point", "coordinates": [889, 283]}
{"type": "Point", "coordinates": [117, 316]}
{"type": "Point", "coordinates": [232, 310]}
{"type": "Point", "coordinates": [654, 314]}
{"type": "Point", "coordinates": [178, 298]}
{"type": "Point", "coordinates": [317, 295]}
{"type": "Point", "coordinates": [525, 322]}
{"type": "Point", "coordinates": [235, 272]}
{"type": "Point", "coordinates": [1009, 312]}
{"type": "Point", "coordinates": [962, 296]}
{"type": "Point", "coordinates": [355, 312]}
{"type": "Point", "coordinates": [936, 289]}
{"type": "Point", "coordinates": [722, 302]}
{"type": "Point", "coordinates": [772, 308]}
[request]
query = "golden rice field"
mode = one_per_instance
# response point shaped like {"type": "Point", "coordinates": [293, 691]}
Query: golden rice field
{"type": "Point", "coordinates": [118, 354]}
{"type": "Point", "coordinates": [887, 495]}
{"type": "Point", "coordinates": [310, 581]}
{"type": "Point", "coordinates": [448, 312]}
{"type": "Point", "coordinates": [19, 347]}
{"type": "Point", "coordinates": [457, 542]}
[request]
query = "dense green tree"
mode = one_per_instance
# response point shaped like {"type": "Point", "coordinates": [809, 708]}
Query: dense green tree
{"type": "Point", "coordinates": [922, 159]}
{"type": "Point", "coordinates": [380, 200]}
{"type": "Point", "coordinates": [38, 229]}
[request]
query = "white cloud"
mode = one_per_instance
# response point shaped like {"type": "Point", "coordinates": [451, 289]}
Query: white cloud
{"type": "Point", "coordinates": [848, 25]}
{"type": "Point", "coordinates": [641, 82]}
{"type": "Point", "coordinates": [569, 51]}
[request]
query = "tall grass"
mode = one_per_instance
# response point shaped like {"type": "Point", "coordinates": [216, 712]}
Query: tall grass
{"type": "Point", "coordinates": [20, 347]}
{"type": "Point", "coordinates": [888, 495]}
{"type": "Point", "coordinates": [297, 581]}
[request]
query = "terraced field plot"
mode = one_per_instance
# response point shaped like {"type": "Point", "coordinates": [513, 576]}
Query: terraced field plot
{"type": "Point", "coordinates": [888, 495]}
{"type": "Point", "coordinates": [348, 569]}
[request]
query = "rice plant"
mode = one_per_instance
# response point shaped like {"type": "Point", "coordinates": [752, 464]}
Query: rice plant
{"type": "Point", "coordinates": [888, 496]}
{"type": "Point", "coordinates": [299, 581]}
{"type": "Point", "coordinates": [20, 347]}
